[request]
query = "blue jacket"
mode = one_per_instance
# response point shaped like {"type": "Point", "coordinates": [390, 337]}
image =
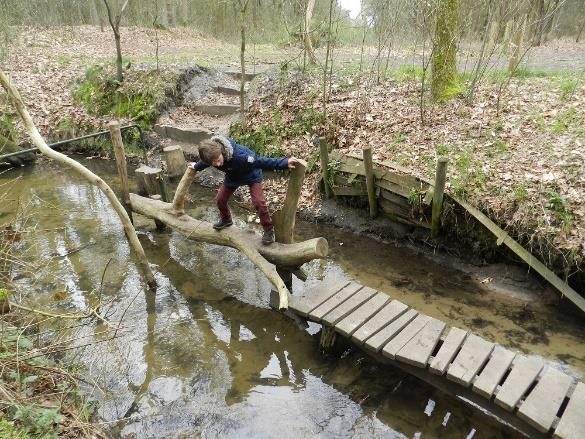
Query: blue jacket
{"type": "Point", "coordinates": [245, 166]}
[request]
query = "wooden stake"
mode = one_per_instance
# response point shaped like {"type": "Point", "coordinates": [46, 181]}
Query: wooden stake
{"type": "Point", "coordinates": [324, 154]}
{"type": "Point", "coordinates": [439, 190]}
{"type": "Point", "coordinates": [175, 161]}
{"type": "Point", "coordinates": [284, 219]}
{"type": "Point", "coordinates": [369, 168]}
{"type": "Point", "coordinates": [116, 136]}
{"type": "Point", "coordinates": [183, 190]}
{"type": "Point", "coordinates": [151, 181]}
{"type": "Point", "coordinates": [328, 338]}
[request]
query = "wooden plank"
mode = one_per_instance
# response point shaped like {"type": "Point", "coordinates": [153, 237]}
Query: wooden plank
{"type": "Point", "coordinates": [390, 312]}
{"type": "Point", "coordinates": [402, 178]}
{"type": "Point", "coordinates": [447, 352]}
{"type": "Point", "coordinates": [396, 199]}
{"type": "Point", "coordinates": [492, 374]}
{"type": "Point", "coordinates": [379, 339]}
{"type": "Point", "coordinates": [334, 301]}
{"type": "Point", "coordinates": [396, 213]}
{"type": "Point", "coordinates": [348, 306]}
{"type": "Point", "coordinates": [572, 423]}
{"type": "Point", "coordinates": [524, 372]}
{"type": "Point", "coordinates": [542, 404]}
{"type": "Point", "coordinates": [531, 260]}
{"type": "Point", "coordinates": [349, 191]}
{"type": "Point", "coordinates": [353, 321]}
{"type": "Point", "coordinates": [471, 357]}
{"type": "Point", "coordinates": [396, 343]}
{"type": "Point", "coordinates": [419, 349]}
{"type": "Point", "coordinates": [315, 296]}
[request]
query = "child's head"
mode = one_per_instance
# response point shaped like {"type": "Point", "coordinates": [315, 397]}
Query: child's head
{"type": "Point", "coordinates": [210, 153]}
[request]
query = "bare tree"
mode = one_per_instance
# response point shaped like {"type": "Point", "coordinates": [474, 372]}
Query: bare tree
{"type": "Point", "coordinates": [115, 24]}
{"type": "Point", "coordinates": [243, 6]}
{"type": "Point", "coordinates": [307, 32]}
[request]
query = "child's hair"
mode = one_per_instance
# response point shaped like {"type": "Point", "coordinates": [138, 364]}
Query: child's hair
{"type": "Point", "coordinates": [209, 151]}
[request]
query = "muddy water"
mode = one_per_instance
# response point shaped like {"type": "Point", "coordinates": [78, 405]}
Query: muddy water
{"type": "Point", "coordinates": [206, 356]}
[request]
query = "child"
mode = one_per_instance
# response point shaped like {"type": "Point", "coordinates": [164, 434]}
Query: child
{"type": "Point", "coordinates": [242, 167]}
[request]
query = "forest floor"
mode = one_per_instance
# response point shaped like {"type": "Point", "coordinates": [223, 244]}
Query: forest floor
{"type": "Point", "coordinates": [516, 150]}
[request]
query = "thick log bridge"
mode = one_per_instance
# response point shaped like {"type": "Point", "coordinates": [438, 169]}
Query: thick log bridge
{"type": "Point", "coordinates": [288, 256]}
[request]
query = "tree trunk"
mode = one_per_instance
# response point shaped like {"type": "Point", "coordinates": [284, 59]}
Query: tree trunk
{"type": "Point", "coordinates": [84, 172]}
{"type": "Point", "coordinates": [119, 74]}
{"type": "Point", "coordinates": [580, 31]}
{"type": "Point", "coordinates": [444, 62]}
{"type": "Point", "coordinates": [287, 255]}
{"type": "Point", "coordinates": [539, 20]}
{"type": "Point", "coordinates": [242, 61]}
{"type": "Point", "coordinates": [517, 45]}
{"type": "Point", "coordinates": [97, 17]}
{"type": "Point", "coordinates": [307, 33]}
{"type": "Point", "coordinates": [170, 13]}
{"type": "Point", "coordinates": [550, 19]}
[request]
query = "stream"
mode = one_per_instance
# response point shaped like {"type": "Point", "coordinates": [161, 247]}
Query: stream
{"type": "Point", "coordinates": [205, 356]}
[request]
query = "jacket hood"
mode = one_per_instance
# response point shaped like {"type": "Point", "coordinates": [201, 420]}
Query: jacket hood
{"type": "Point", "coordinates": [227, 146]}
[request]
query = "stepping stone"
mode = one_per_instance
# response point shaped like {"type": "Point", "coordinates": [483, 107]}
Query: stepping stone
{"type": "Point", "coordinates": [217, 110]}
{"type": "Point", "coordinates": [230, 91]}
{"type": "Point", "coordinates": [187, 135]}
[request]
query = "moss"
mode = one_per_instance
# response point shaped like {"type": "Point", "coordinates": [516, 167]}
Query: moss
{"type": "Point", "coordinates": [444, 82]}
{"type": "Point", "coordinates": [3, 294]}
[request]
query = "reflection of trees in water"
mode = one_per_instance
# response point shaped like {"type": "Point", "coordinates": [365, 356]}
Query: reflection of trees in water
{"type": "Point", "coordinates": [274, 336]}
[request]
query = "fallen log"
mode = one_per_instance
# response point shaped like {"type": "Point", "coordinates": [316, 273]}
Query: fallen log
{"type": "Point", "coordinates": [288, 255]}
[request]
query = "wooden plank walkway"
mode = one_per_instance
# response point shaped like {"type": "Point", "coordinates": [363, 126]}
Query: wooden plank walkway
{"type": "Point", "coordinates": [519, 389]}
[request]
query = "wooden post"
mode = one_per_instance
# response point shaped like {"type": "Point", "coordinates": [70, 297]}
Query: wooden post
{"type": "Point", "coordinates": [183, 190]}
{"type": "Point", "coordinates": [116, 136]}
{"type": "Point", "coordinates": [324, 153]}
{"type": "Point", "coordinates": [284, 219]}
{"type": "Point", "coordinates": [151, 181]}
{"type": "Point", "coordinates": [175, 161]}
{"type": "Point", "coordinates": [287, 216]}
{"type": "Point", "coordinates": [369, 168]}
{"type": "Point", "coordinates": [439, 189]}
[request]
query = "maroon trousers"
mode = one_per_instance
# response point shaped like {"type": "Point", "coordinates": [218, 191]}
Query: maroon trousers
{"type": "Point", "coordinates": [257, 194]}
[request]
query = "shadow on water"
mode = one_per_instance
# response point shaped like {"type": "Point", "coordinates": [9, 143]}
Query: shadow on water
{"type": "Point", "coordinates": [206, 356]}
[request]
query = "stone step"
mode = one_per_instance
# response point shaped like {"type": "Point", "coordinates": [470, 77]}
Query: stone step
{"type": "Point", "coordinates": [248, 76]}
{"type": "Point", "coordinates": [216, 110]}
{"type": "Point", "coordinates": [187, 135]}
{"type": "Point", "coordinates": [230, 91]}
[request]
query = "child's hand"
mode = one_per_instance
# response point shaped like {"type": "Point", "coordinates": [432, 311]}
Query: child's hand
{"type": "Point", "coordinates": [292, 162]}
{"type": "Point", "coordinates": [191, 165]}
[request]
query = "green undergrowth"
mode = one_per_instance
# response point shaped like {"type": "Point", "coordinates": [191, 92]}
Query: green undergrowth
{"type": "Point", "coordinates": [140, 97]}
{"type": "Point", "coordinates": [266, 138]}
{"type": "Point", "coordinates": [41, 399]}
